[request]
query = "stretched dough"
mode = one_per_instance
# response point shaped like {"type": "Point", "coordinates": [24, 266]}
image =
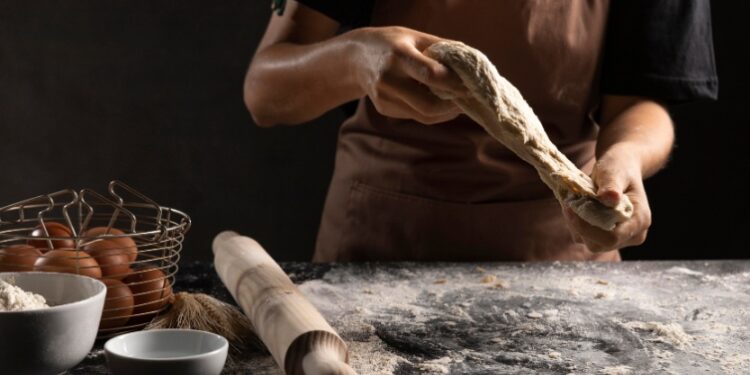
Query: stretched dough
{"type": "Point", "coordinates": [499, 107]}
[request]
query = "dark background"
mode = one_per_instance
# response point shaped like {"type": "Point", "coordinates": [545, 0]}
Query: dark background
{"type": "Point", "coordinates": [151, 93]}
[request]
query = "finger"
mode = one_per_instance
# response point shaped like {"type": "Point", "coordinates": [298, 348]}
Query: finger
{"type": "Point", "coordinates": [610, 184]}
{"type": "Point", "coordinates": [568, 214]}
{"type": "Point", "coordinates": [432, 73]}
{"type": "Point", "coordinates": [422, 40]}
{"type": "Point", "coordinates": [437, 119]}
{"type": "Point", "coordinates": [389, 105]}
{"type": "Point", "coordinates": [633, 232]}
{"type": "Point", "coordinates": [605, 240]}
{"type": "Point", "coordinates": [393, 106]}
{"type": "Point", "coordinates": [421, 98]}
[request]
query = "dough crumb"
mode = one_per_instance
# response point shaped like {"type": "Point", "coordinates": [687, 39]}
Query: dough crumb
{"type": "Point", "coordinates": [683, 271]}
{"type": "Point", "coordinates": [501, 284]}
{"type": "Point", "coordinates": [534, 315]}
{"type": "Point", "coordinates": [440, 281]}
{"type": "Point", "coordinates": [616, 370]}
{"type": "Point", "coordinates": [499, 340]}
{"type": "Point", "coordinates": [488, 279]}
{"type": "Point", "coordinates": [602, 282]}
{"type": "Point", "coordinates": [480, 269]}
{"type": "Point", "coordinates": [600, 295]}
{"type": "Point", "coordinates": [670, 333]}
{"type": "Point", "coordinates": [554, 355]}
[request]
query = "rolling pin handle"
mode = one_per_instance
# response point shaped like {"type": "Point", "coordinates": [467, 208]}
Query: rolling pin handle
{"type": "Point", "coordinates": [322, 362]}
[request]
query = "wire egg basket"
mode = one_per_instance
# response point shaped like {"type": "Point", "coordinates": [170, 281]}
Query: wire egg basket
{"type": "Point", "coordinates": [125, 239]}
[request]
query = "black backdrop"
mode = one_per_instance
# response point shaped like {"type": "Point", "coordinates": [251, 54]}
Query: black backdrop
{"type": "Point", "coordinates": [151, 93]}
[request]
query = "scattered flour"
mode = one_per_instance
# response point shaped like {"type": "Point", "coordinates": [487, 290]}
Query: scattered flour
{"type": "Point", "coordinates": [13, 298]}
{"type": "Point", "coordinates": [683, 271]}
{"type": "Point", "coordinates": [671, 333]}
{"type": "Point", "coordinates": [436, 366]}
{"type": "Point", "coordinates": [371, 356]}
{"type": "Point", "coordinates": [451, 297]}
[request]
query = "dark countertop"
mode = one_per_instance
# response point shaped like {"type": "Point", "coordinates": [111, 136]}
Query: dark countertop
{"type": "Point", "coordinates": [521, 318]}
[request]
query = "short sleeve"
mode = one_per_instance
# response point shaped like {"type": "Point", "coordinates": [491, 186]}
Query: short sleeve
{"type": "Point", "coordinates": [349, 13]}
{"type": "Point", "coordinates": [661, 49]}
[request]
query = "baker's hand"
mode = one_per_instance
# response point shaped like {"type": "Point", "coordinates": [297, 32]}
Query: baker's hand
{"type": "Point", "coordinates": [615, 174]}
{"type": "Point", "coordinates": [397, 77]}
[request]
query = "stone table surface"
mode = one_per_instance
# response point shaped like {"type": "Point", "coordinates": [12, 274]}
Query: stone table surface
{"type": "Point", "coordinates": [518, 318]}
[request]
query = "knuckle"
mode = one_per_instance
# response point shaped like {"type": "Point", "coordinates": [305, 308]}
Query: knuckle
{"type": "Point", "coordinates": [400, 30]}
{"type": "Point", "coordinates": [392, 58]}
{"type": "Point", "coordinates": [640, 238]}
{"type": "Point", "coordinates": [398, 52]}
{"type": "Point", "coordinates": [647, 220]}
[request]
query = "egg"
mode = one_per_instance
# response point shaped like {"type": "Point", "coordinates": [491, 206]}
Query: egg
{"type": "Point", "coordinates": [125, 243]}
{"type": "Point", "coordinates": [68, 261]}
{"type": "Point", "coordinates": [151, 292]}
{"type": "Point", "coordinates": [118, 304]}
{"type": "Point", "coordinates": [18, 258]}
{"type": "Point", "coordinates": [54, 229]}
{"type": "Point", "coordinates": [113, 260]}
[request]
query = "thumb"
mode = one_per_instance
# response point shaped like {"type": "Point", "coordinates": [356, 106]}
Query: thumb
{"type": "Point", "coordinates": [610, 185]}
{"type": "Point", "coordinates": [433, 73]}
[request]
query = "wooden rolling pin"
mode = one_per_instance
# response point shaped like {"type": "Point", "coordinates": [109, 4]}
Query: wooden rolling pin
{"type": "Point", "coordinates": [298, 337]}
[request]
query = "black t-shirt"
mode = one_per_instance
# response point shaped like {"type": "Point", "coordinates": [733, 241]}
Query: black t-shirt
{"type": "Point", "coordinates": [660, 49]}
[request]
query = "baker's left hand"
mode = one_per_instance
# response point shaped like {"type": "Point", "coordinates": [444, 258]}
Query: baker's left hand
{"type": "Point", "coordinates": [615, 174]}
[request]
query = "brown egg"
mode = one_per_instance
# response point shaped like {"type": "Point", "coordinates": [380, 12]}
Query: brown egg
{"type": "Point", "coordinates": [68, 261]}
{"type": "Point", "coordinates": [151, 291]}
{"type": "Point", "coordinates": [118, 305]}
{"type": "Point", "coordinates": [54, 229]}
{"type": "Point", "coordinates": [125, 243]}
{"type": "Point", "coordinates": [112, 259]}
{"type": "Point", "coordinates": [18, 258]}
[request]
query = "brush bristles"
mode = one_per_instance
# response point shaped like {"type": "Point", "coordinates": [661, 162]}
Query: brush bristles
{"type": "Point", "coordinates": [205, 313]}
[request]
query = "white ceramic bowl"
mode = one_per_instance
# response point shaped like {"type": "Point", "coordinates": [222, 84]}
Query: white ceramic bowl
{"type": "Point", "coordinates": [166, 351]}
{"type": "Point", "coordinates": [51, 340]}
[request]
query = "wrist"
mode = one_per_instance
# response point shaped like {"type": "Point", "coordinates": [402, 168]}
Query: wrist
{"type": "Point", "coordinates": [626, 155]}
{"type": "Point", "coordinates": [358, 53]}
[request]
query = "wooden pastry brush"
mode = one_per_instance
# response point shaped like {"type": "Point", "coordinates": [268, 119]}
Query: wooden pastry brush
{"type": "Point", "coordinates": [203, 312]}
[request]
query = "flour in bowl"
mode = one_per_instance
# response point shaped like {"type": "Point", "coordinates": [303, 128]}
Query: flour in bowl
{"type": "Point", "coordinates": [13, 298]}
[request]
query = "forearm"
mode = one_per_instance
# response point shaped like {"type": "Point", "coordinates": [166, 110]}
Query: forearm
{"type": "Point", "coordinates": [638, 129]}
{"type": "Point", "coordinates": [292, 83]}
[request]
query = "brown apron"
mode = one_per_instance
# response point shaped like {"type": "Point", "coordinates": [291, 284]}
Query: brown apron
{"type": "Point", "coordinates": [406, 191]}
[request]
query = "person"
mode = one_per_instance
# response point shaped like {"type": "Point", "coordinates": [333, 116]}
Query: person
{"type": "Point", "coordinates": [414, 179]}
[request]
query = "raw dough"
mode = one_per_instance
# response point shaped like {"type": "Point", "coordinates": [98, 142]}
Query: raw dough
{"type": "Point", "coordinates": [499, 107]}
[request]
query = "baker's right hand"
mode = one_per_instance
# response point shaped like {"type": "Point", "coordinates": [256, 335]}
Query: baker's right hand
{"type": "Point", "coordinates": [397, 77]}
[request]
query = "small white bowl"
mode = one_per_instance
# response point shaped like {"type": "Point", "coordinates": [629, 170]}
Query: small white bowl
{"type": "Point", "coordinates": [166, 351]}
{"type": "Point", "coordinates": [51, 340]}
